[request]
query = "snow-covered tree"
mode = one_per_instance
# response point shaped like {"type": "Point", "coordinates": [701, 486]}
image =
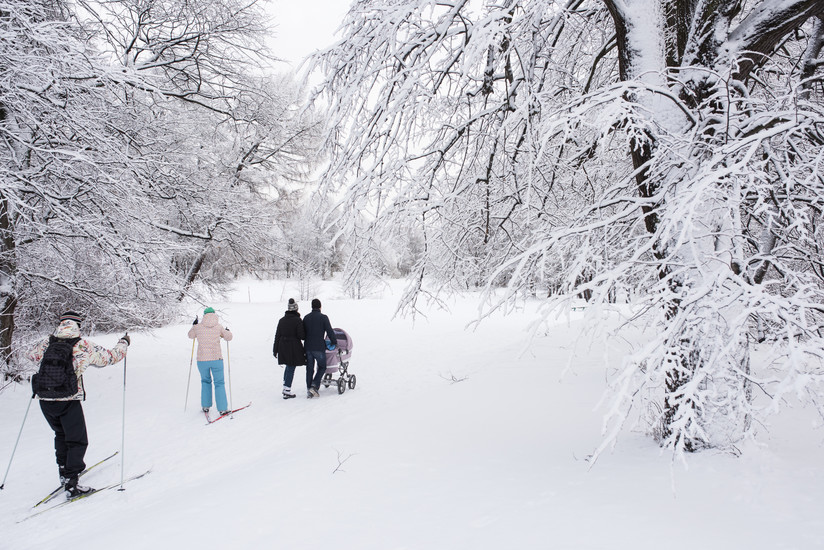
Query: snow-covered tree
{"type": "Point", "coordinates": [70, 217]}
{"type": "Point", "coordinates": [140, 142]}
{"type": "Point", "coordinates": [239, 136]}
{"type": "Point", "coordinates": [665, 149]}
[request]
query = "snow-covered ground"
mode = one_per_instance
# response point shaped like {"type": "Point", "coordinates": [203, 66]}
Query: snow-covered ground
{"type": "Point", "coordinates": [452, 439]}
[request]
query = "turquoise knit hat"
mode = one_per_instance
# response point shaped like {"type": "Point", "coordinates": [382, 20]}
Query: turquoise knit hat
{"type": "Point", "coordinates": [208, 310]}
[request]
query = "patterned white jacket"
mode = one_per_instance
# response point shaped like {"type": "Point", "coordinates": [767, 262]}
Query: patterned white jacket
{"type": "Point", "coordinates": [85, 354]}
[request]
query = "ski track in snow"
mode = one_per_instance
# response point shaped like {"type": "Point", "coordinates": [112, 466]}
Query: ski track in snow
{"type": "Point", "coordinates": [409, 459]}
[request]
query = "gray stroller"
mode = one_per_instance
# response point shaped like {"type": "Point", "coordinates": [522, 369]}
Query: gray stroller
{"type": "Point", "coordinates": [337, 363]}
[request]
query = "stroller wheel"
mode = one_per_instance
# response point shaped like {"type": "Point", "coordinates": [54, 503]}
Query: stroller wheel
{"type": "Point", "coordinates": [341, 385]}
{"type": "Point", "coordinates": [352, 381]}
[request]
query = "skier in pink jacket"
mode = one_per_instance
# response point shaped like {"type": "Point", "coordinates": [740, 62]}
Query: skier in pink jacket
{"type": "Point", "coordinates": [208, 333]}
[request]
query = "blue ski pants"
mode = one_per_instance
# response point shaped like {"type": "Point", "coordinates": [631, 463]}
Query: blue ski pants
{"type": "Point", "coordinates": [212, 371]}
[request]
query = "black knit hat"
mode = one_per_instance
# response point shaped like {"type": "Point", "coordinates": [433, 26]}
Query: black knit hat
{"type": "Point", "coordinates": [315, 303]}
{"type": "Point", "coordinates": [293, 306]}
{"type": "Point", "coordinates": [71, 316]}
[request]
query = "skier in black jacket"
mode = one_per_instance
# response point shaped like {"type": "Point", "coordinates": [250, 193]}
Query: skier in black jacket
{"type": "Point", "coordinates": [316, 324]}
{"type": "Point", "coordinates": [288, 349]}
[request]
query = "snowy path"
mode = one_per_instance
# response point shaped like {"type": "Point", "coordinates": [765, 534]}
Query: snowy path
{"type": "Point", "coordinates": [495, 461]}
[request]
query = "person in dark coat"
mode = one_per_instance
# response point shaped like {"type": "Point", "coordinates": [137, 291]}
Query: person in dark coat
{"type": "Point", "coordinates": [288, 349]}
{"type": "Point", "coordinates": [316, 324]}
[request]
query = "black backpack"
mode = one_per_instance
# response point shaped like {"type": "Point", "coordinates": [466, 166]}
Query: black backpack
{"type": "Point", "coordinates": [56, 377]}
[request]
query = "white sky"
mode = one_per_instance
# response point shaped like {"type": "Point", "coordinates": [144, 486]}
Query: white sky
{"type": "Point", "coordinates": [304, 26]}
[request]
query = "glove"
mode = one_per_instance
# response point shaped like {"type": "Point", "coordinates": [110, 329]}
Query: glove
{"type": "Point", "coordinates": [125, 338]}
{"type": "Point", "coordinates": [195, 321]}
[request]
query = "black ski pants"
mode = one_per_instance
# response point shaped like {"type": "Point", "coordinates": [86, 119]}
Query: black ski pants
{"type": "Point", "coordinates": [70, 440]}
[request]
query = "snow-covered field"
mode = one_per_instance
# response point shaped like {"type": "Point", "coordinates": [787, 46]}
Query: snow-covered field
{"type": "Point", "coordinates": [452, 439]}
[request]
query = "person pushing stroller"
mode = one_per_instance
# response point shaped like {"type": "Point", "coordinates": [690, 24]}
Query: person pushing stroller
{"type": "Point", "coordinates": [316, 325]}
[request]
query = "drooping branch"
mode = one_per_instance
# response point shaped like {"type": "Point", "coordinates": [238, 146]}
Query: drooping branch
{"type": "Point", "coordinates": [810, 61]}
{"type": "Point", "coordinates": [756, 37]}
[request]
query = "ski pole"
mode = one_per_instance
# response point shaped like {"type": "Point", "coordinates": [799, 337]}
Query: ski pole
{"type": "Point", "coordinates": [189, 380]}
{"type": "Point", "coordinates": [229, 374]}
{"type": "Point", "coordinates": [16, 442]}
{"type": "Point", "coordinates": [123, 427]}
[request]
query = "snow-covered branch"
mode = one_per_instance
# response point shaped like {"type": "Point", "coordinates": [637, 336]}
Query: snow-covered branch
{"type": "Point", "coordinates": [656, 152]}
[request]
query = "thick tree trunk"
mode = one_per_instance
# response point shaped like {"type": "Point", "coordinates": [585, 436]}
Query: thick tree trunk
{"type": "Point", "coordinates": [8, 268]}
{"type": "Point", "coordinates": [8, 304]}
{"type": "Point", "coordinates": [677, 377]}
{"type": "Point", "coordinates": [8, 296]}
{"type": "Point", "coordinates": [638, 59]}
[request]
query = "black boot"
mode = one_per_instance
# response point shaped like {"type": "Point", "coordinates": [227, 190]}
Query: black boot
{"type": "Point", "coordinates": [73, 490]}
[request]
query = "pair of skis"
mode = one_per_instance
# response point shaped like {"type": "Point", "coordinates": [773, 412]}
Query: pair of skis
{"type": "Point", "coordinates": [57, 491]}
{"type": "Point", "coordinates": [85, 495]}
{"type": "Point", "coordinates": [224, 415]}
